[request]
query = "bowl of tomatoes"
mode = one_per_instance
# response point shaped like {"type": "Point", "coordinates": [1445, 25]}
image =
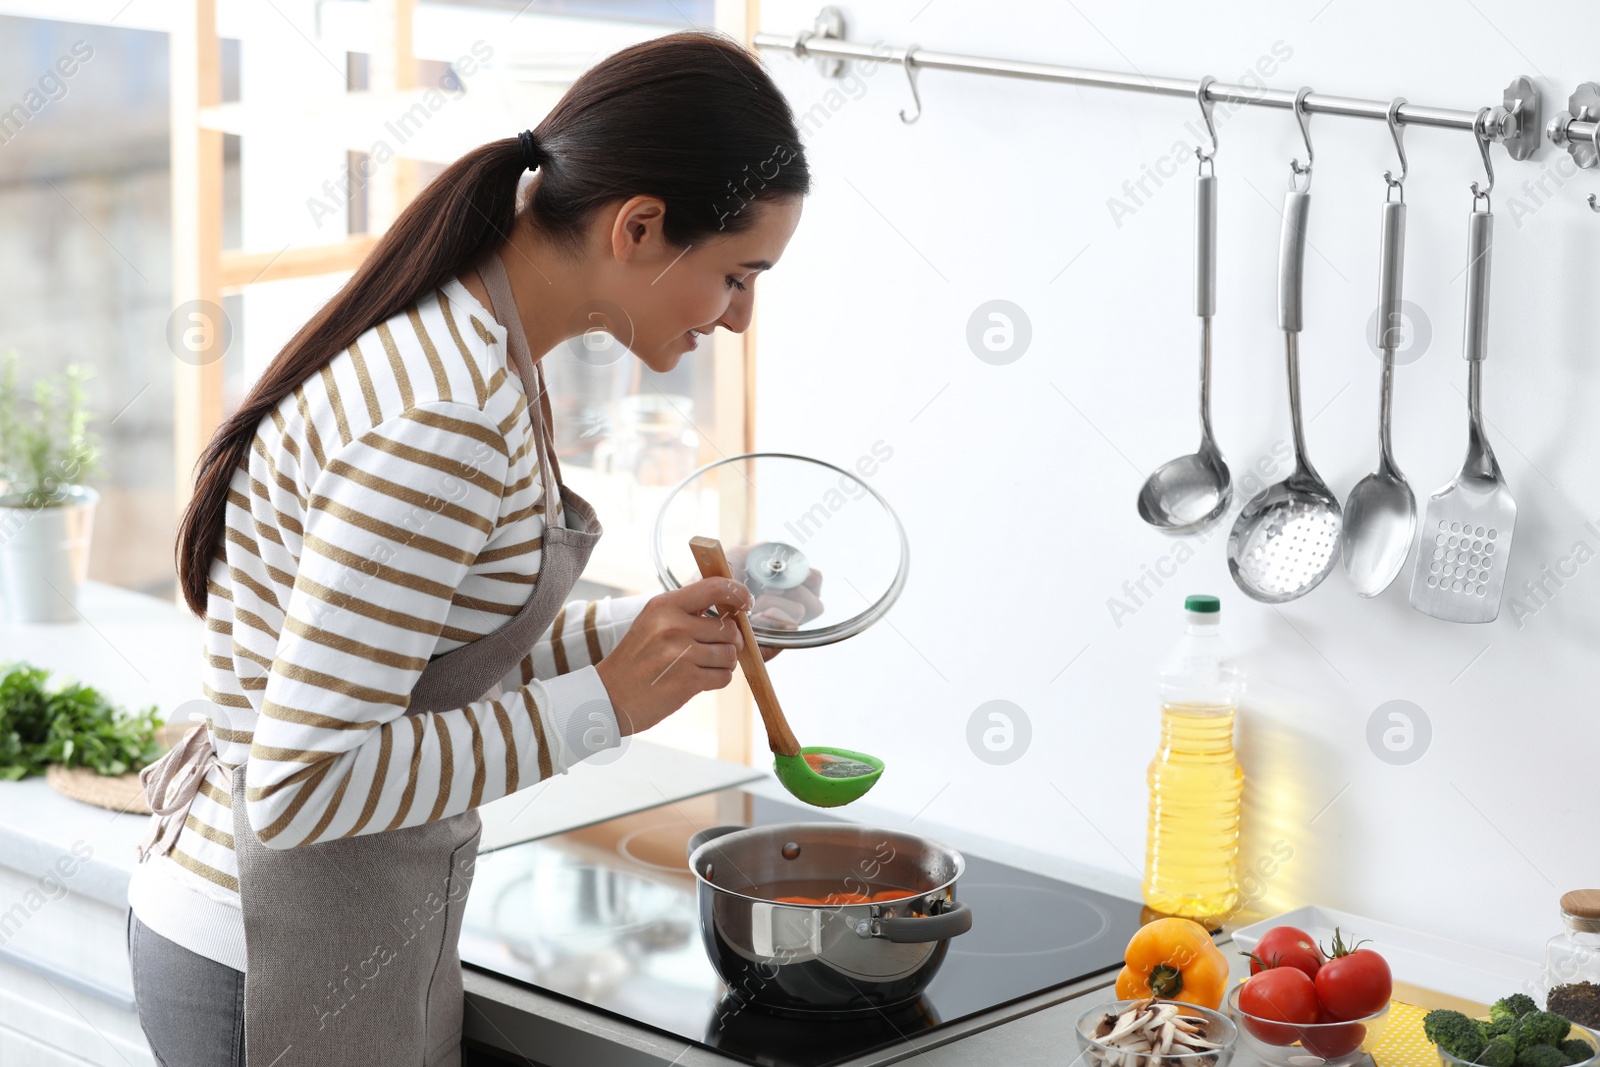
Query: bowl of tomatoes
{"type": "Point", "coordinates": [1305, 1006]}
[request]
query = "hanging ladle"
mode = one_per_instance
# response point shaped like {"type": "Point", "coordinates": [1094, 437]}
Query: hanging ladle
{"type": "Point", "coordinates": [1380, 515]}
{"type": "Point", "coordinates": [822, 777]}
{"type": "Point", "coordinates": [1194, 489]}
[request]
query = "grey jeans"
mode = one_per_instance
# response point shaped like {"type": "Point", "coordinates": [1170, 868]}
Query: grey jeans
{"type": "Point", "coordinates": [190, 1008]}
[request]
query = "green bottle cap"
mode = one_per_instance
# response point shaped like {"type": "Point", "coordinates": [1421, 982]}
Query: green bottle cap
{"type": "Point", "coordinates": [1203, 604]}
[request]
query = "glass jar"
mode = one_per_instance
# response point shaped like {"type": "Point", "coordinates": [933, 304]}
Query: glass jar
{"type": "Point", "coordinates": [1572, 957]}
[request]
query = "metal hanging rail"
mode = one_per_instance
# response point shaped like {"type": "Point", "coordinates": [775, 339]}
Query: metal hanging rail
{"type": "Point", "coordinates": [1514, 122]}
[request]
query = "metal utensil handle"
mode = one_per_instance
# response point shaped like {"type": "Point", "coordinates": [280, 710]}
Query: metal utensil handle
{"type": "Point", "coordinates": [1391, 267]}
{"type": "Point", "coordinates": [916, 929]}
{"type": "Point", "coordinates": [713, 563]}
{"type": "Point", "coordinates": [1292, 258]}
{"type": "Point", "coordinates": [1480, 243]}
{"type": "Point", "coordinates": [1205, 245]}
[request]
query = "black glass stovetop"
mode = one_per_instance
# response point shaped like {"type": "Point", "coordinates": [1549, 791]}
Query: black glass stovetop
{"type": "Point", "coordinates": [607, 916]}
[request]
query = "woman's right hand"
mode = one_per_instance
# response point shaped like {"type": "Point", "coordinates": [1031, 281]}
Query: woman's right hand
{"type": "Point", "coordinates": [673, 650]}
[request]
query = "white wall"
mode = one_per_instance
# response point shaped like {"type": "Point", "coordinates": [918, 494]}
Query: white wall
{"type": "Point", "coordinates": [1016, 483]}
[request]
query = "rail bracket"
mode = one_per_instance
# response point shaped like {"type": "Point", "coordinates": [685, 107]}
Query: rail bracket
{"type": "Point", "coordinates": [1517, 118]}
{"type": "Point", "coordinates": [1582, 106]}
{"type": "Point", "coordinates": [828, 26]}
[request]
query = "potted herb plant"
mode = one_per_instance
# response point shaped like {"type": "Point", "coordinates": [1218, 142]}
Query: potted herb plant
{"type": "Point", "coordinates": [46, 512]}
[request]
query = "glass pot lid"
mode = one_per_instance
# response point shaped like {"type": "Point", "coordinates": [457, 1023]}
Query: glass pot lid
{"type": "Point", "coordinates": [822, 552]}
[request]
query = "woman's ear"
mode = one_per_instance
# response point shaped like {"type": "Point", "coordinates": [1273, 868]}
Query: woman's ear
{"type": "Point", "coordinates": [637, 230]}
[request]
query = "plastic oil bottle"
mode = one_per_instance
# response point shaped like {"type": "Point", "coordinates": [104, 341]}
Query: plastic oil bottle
{"type": "Point", "coordinates": [1195, 779]}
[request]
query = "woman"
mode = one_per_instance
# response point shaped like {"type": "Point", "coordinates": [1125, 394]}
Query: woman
{"type": "Point", "coordinates": [386, 643]}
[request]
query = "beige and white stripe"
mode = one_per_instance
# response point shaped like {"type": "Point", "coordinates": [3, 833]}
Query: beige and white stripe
{"type": "Point", "coordinates": [390, 511]}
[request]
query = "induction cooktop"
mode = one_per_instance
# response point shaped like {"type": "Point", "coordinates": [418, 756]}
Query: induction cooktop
{"type": "Point", "coordinates": [607, 916]}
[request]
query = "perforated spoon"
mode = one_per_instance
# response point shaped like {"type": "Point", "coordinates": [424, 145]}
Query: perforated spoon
{"type": "Point", "coordinates": [823, 777]}
{"type": "Point", "coordinates": [1286, 540]}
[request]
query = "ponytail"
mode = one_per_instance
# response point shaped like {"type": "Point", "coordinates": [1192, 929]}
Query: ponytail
{"type": "Point", "coordinates": [691, 118]}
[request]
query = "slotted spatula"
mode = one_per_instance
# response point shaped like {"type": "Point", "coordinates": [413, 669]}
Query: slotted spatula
{"type": "Point", "coordinates": [1466, 534]}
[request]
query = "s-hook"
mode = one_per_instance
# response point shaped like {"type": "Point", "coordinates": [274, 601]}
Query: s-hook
{"type": "Point", "coordinates": [1481, 135]}
{"type": "Point", "coordinates": [911, 77]}
{"type": "Point", "coordinates": [1304, 118]}
{"type": "Point", "coordinates": [1396, 185]}
{"type": "Point", "coordinates": [1203, 154]}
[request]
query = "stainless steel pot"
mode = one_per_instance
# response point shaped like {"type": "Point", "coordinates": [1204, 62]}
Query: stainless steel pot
{"type": "Point", "coordinates": [816, 958]}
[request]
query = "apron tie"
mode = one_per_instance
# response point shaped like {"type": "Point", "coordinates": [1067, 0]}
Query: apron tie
{"type": "Point", "coordinates": [170, 786]}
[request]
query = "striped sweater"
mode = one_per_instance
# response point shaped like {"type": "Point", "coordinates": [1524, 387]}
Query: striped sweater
{"type": "Point", "coordinates": [390, 511]}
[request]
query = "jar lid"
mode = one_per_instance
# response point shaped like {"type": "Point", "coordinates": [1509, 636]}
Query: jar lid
{"type": "Point", "coordinates": [1582, 904]}
{"type": "Point", "coordinates": [787, 521]}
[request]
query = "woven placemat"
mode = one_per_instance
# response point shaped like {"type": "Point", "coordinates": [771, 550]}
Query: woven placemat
{"type": "Point", "coordinates": [117, 792]}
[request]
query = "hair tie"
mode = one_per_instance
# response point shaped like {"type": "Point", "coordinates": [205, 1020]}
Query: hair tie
{"type": "Point", "coordinates": [531, 152]}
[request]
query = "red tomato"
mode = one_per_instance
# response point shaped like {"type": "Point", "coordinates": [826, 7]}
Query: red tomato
{"type": "Point", "coordinates": [1333, 1039]}
{"type": "Point", "coordinates": [1286, 946]}
{"type": "Point", "coordinates": [1276, 999]}
{"type": "Point", "coordinates": [1354, 983]}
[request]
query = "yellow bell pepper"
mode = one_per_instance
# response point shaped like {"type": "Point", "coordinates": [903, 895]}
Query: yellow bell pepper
{"type": "Point", "coordinates": [1174, 959]}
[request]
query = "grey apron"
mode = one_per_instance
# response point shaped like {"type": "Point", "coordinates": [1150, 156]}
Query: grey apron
{"type": "Point", "coordinates": [351, 943]}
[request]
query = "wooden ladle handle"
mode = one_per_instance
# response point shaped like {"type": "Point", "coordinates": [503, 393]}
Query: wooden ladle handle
{"type": "Point", "coordinates": [713, 563]}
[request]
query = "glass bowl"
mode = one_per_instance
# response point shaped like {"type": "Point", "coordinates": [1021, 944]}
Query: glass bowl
{"type": "Point", "coordinates": [1218, 1029]}
{"type": "Point", "coordinates": [1307, 1045]}
{"type": "Point", "coordinates": [1581, 1033]}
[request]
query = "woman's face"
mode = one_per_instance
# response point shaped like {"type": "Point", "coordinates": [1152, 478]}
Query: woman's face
{"type": "Point", "coordinates": [675, 295]}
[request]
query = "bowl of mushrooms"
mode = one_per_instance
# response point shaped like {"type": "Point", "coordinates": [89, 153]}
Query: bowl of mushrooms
{"type": "Point", "coordinates": [1155, 1033]}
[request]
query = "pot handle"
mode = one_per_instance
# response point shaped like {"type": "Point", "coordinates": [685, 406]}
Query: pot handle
{"type": "Point", "coordinates": [954, 920]}
{"type": "Point", "coordinates": [709, 834]}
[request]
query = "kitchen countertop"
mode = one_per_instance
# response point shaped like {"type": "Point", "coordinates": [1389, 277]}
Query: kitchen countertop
{"type": "Point", "coordinates": [140, 650]}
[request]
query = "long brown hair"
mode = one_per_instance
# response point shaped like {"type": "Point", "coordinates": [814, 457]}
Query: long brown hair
{"type": "Point", "coordinates": [691, 118]}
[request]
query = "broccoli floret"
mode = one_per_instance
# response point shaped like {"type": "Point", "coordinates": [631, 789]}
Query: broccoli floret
{"type": "Point", "coordinates": [1455, 1033]}
{"type": "Point", "coordinates": [1496, 1027]}
{"type": "Point", "coordinates": [1540, 1028]}
{"type": "Point", "coordinates": [1577, 1051]}
{"type": "Point", "coordinates": [1513, 1007]}
{"type": "Point", "coordinates": [1499, 1052]}
{"type": "Point", "coordinates": [1541, 1056]}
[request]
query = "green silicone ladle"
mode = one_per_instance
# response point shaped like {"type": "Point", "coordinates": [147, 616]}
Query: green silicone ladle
{"type": "Point", "coordinates": [822, 777]}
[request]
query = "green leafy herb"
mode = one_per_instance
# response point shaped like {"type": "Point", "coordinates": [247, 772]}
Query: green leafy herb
{"type": "Point", "coordinates": [45, 446]}
{"type": "Point", "coordinates": [72, 724]}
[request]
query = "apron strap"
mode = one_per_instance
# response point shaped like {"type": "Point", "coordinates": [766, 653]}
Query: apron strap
{"type": "Point", "coordinates": [504, 305]}
{"type": "Point", "coordinates": [170, 786]}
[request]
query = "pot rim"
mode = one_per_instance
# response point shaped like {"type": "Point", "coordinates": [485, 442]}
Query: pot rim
{"type": "Point", "coordinates": [959, 862]}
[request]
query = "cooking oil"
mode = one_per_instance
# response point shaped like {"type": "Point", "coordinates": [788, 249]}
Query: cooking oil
{"type": "Point", "coordinates": [1196, 782]}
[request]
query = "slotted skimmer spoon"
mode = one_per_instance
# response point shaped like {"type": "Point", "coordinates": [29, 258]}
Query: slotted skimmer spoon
{"type": "Point", "coordinates": [1193, 490]}
{"type": "Point", "coordinates": [1380, 515]}
{"type": "Point", "coordinates": [1460, 571]}
{"type": "Point", "coordinates": [1286, 540]}
{"type": "Point", "coordinates": [822, 777]}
